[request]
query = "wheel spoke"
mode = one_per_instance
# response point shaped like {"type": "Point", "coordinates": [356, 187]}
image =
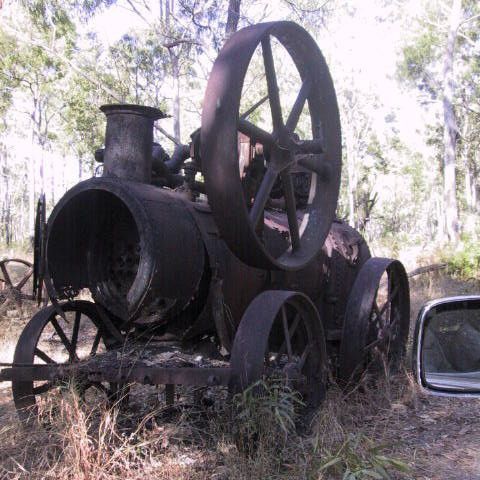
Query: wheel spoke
{"type": "Point", "coordinates": [378, 314]}
{"type": "Point", "coordinates": [314, 162]}
{"type": "Point", "coordinates": [41, 354]}
{"type": "Point", "coordinates": [272, 86]}
{"type": "Point", "coordinates": [297, 108]}
{"type": "Point", "coordinates": [96, 341]}
{"type": "Point", "coordinates": [25, 279]}
{"type": "Point", "coordinates": [255, 133]}
{"type": "Point", "coordinates": [292, 330]}
{"type": "Point", "coordinates": [304, 356]}
{"type": "Point", "coordinates": [286, 333]}
{"type": "Point", "coordinates": [291, 208]}
{"type": "Point", "coordinates": [262, 196]}
{"type": "Point", "coordinates": [309, 146]}
{"type": "Point", "coordinates": [254, 107]}
{"type": "Point", "coordinates": [386, 305]}
{"type": "Point", "coordinates": [76, 327]}
{"type": "Point", "coordinates": [65, 341]}
{"type": "Point", "coordinates": [6, 276]}
{"type": "Point", "coordinates": [43, 388]}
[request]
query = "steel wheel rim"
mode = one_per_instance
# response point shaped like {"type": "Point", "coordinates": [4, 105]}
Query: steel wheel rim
{"type": "Point", "coordinates": [364, 330]}
{"type": "Point", "coordinates": [249, 362]}
{"type": "Point", "coordinates": [26, 393]}
{"type": "Point", "coordinates": [11, 290]}
{"type": "Point", "coordinates": [220, 123]}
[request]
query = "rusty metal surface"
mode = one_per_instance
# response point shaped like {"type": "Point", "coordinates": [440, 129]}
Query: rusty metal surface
{"type": "Point", "coordinates": [39, 249]}
{"type": "Point", "coordinates": [128, 141]}
{"type": "Point", "coordinates": [345, 253]}
{"type": "Point", "coordinates": [28, 351]}
{"type": "Point", "coordinates": [149, 375]}
{"type": "Point", "coordinates": [281, 332]}
{"type": "Point", "coordinates": [255, 268]}
{"type": "Point", "coordinates": [373, 326]}
{"type": "Point", "coordinates": [220, 124]}
{"type": "Point", "coordinates": [140, 254]}
{"type": "Point", "coordinates": [14, 289]}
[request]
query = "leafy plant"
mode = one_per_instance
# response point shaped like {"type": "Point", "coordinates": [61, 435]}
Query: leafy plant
{"type": "Point", "coordinates": [464, 263]}
{"type": "Point", "coordinates": [265, 414]}
{"type": "Point", "coordinates": [359, 458]}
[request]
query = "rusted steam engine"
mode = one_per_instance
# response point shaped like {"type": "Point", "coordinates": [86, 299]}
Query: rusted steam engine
{"type": "Point", "coordinates": [221, 264]}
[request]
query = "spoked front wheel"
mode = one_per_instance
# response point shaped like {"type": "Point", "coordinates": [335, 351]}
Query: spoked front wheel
{"type": "Point", "coordinates": [281, 335]}
{"type": "Point", "coordinates": [51, 338]}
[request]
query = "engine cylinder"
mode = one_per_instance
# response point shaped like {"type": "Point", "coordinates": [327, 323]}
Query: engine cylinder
{"type": "Point", "coordinates": [136, 247]}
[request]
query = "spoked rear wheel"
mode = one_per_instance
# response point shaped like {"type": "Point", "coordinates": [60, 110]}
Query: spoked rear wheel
{"type": "Point", "coordinates": [15, 275]}
{"type": "Point", "coordinates": [377, 319]}
{"type": "Point", "coordinates": [281, 335]}
{"type": "Point", "coordinates": [50, 339]}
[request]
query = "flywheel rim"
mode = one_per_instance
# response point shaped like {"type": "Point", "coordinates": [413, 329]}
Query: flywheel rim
{"type": "Point", "coordinates": [220, 124]}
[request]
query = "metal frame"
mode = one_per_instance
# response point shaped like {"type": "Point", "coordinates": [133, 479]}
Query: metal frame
{"type": "Point", "coordinates": [418, 340]}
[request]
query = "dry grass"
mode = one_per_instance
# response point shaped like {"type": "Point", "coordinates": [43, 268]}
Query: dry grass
{"type": "Point", "coordinates": [388, 425]}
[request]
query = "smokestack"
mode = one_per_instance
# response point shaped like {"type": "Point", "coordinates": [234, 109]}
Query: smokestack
{"type": "Point", "coordinates": [128, 141]}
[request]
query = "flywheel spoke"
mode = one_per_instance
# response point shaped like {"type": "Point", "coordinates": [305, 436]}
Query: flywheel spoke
{"type": "Point", "coordinates": [314, 162]}
{"type": "Point", "coordinates": [262, 195]}
{"type": "Point", "coordinates": [273, 92]}
{"type": "Point", "coordinates": [309, 146]}
{"type": "Point", "coordinates": [248, 112]}
{"type": "Point", "coordinates": [255, 133]}
{"type": "Point", "coordinates": [291, 208]}
{"type": "Point", "coordinates": [297, 108]}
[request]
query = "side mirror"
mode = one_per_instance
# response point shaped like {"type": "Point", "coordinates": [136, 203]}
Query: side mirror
{"type": "Point", "coordinates": [446, 354]}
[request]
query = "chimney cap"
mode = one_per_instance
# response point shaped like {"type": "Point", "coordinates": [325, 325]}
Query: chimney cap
{"type": "Point", "coordinates": [126, 108]}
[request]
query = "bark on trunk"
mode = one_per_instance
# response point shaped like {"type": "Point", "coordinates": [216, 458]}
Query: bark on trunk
{"type": "Point", "coordinates": [232, 18]}
{"type": "Point", "coordinates": [450, 128]}
{"type": "Point", "coordinates": [176, 93]}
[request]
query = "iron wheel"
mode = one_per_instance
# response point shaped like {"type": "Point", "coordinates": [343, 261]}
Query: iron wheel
{"type": "Point", "coordinates": [241, 217]}
{"type": "Point", "coordinates": [48, 338]}
{"type": "Point", "coordinates": [377, 319]}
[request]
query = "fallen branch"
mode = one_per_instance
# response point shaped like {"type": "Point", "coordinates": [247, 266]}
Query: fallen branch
{"type": "Point", "coordinates": [427, 269]}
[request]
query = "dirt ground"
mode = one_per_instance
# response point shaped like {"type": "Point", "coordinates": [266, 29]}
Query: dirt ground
{"type": "Point", "coordinates": [437, 437]}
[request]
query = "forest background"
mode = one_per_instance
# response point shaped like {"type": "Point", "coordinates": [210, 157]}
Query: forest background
{"type": "Point", "coordinates": [406, 75]}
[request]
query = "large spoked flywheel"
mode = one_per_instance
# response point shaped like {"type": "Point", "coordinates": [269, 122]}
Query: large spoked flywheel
{"type": "Point", "coordinates": [377, 319]}
{"type": "Point", "coordinates": [294, 174]}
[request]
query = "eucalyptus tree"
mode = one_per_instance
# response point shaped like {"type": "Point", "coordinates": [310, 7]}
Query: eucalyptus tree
{"type": "Point", "coordinates": [437, 60]}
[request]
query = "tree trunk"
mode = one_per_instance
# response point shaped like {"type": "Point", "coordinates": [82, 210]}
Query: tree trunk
{"type": "Point", "coordinates": [351, 186]}
{"type": "Point", "coordinates": [174, 62]}
{"type": "Point", "coordinates": [232, 18]}
{"type": "Point", "coordinates": [450, 128]}
{"type": "Point", "coordinates": [176, 92]}
{"type": "Point", "coordinates": [31, 168]}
